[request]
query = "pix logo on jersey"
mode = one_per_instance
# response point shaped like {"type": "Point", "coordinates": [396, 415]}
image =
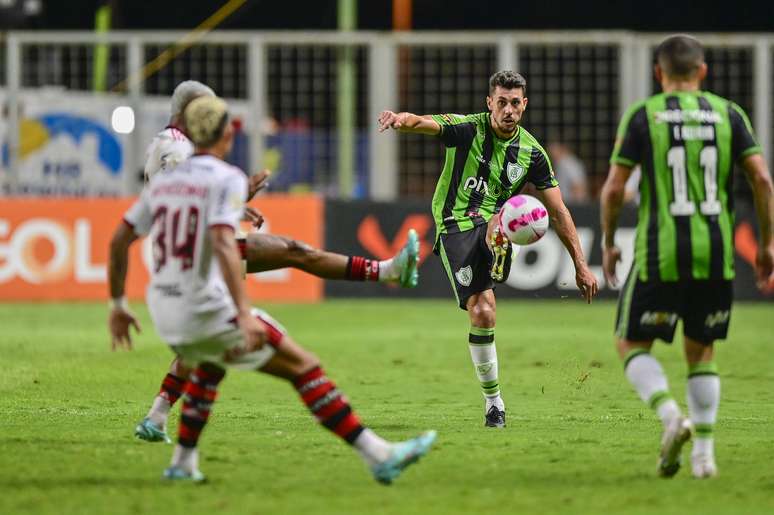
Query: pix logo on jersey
{"type": "Point", "coordinates": [479, 185]}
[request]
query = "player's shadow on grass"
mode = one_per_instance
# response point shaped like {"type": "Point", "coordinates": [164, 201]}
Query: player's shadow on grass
{"type": "Point", "coordinates": [60, 442]}
{"type": "Point", "coordinates": [68, 482]}
{"type": "Point", "coordinates": [394, 426]}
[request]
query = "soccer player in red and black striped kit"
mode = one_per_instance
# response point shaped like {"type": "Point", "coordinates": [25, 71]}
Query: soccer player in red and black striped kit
{"type": "Point", "coordinates": [200, 308]}
{"type": "Point", "coordinates": [261, 252]}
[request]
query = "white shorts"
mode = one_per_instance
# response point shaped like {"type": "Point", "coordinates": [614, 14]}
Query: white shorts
{"type": "Point", "coordinates": [213, 349]}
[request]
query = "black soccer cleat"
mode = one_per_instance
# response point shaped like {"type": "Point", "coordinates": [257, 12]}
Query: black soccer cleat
{"type": "Point", "coordinates": [494, 418]}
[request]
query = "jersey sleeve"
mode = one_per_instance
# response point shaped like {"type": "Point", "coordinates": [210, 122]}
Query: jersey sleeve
{"type": "Point", "coordinates": [743, 141]}
{"type": "Point", "coordinates": [628, 140]}
{"type": "Point", "coordinates": [456, 129]}
{"type": "Point", "coordinates": [227, 201]}
{"type": "Point", "coordinates": [139, 216]}
{"type": "Point", "coordinates": [165, 154]}
{"type": "Point", "coordinates": [540, 172]}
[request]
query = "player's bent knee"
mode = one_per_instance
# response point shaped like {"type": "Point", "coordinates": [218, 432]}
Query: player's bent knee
{"type": "Point", "coordinates": [482, 315]}
{"type": "Point", "coordinates": [179, 368]}
{"type": "Point", "coordinates": [697, 350]}
{"type": "Point", "coordinates": [298, 358]}
{"type": "Point", "coordinates": [624, 346]}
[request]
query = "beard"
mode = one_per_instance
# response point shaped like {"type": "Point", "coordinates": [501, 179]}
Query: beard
{"type": "Point", "coordinates": [508, 126]}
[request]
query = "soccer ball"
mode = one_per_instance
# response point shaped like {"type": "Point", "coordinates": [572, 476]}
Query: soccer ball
{"type": "Point", "coordinates": [523, 219]}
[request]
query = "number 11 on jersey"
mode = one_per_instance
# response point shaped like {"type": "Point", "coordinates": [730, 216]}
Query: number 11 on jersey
{"type": "Point", "coordinates": [682, 205]}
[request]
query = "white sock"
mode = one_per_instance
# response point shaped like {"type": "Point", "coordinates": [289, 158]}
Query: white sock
{"type": "Point", "coordinates": [159, 411]}
{"type": "Point", "coordinates": [186, 458]}
{"type": "Point", "coordinates": [483, 353]}
{"type": "Point", "coordinates": [703, 399]}
{"type": "Point", "coordinates": [644, 372]}
{"type": "Point", "coordinates": [667, 410]}
{"type": "Point", "coordinates": [372, 448]}
{"type": "Point", "coordinates": [387, 271]}
{"type": "Point", "coordinates": [497, 400]}
{"type": "Point", "coordinates": [703, 446]}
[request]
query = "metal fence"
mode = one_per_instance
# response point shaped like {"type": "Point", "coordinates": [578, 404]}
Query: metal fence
{"type": "Point", "coordinates": [578, 85]}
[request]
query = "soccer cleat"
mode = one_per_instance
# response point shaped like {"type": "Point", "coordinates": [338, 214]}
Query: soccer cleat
{"type": "Point", "coordinates": [402, 455]}
{"type": "Point", "coordinates": [175, 473]}
{"type": "Point", "coordinates": [150, 432]}
{"type": "Point", "coordinates": [703, 466]}
{"type": "Point", "coordinates": [494, 417]}
{"type": "Point", "coordinates": [500, 246]}
{"type": "Point", "coordinates": [676, 434]}
{"type": "Point", "coordinates": [406, 261]}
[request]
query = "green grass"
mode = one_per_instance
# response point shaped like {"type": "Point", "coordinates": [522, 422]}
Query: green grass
{"type": "Point", "coordinates": [578, 439]}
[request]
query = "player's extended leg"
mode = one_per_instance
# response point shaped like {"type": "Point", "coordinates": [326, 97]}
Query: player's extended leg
{"type": "Point", "coordinates": [329, 406]}
{"type": "Point", "coordinates": [647, 376]}
{"type": "Point", "coordinates": [269, 252]}
{"type": "Point", "coordinates": [703, 394]}
{"type": "Point", "coordinates": [199, 394]}
{"type": "Point", "coordinates": [153, 428]}
{"type": "Point", "coordinates": [481, 343]}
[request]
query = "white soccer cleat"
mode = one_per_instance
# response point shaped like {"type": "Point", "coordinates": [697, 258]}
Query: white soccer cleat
{"type": "Point", "coordinates": [703, 466]}
{"type": "Point", "coordinates": [676, 434]}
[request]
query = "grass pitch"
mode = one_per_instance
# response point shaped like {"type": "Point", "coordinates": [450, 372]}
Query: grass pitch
{"type": "Point", "coordinates": [578, 439]}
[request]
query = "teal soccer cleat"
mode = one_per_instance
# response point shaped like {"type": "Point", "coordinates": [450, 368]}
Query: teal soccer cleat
{"type": "Point", "coordinates": [406, 261]}
{"type": "Point", "coordinates": [150, 432]}
{"type": "Point", "coordinates": [178, 474]}
{"type": "Point", "coordinates": [402, 455]}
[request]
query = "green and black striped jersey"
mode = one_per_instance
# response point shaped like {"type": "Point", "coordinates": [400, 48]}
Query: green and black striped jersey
{"type": "Point", "coordinates": [482, 171]}
{"type": "Point", "coordinates": [686, 144]}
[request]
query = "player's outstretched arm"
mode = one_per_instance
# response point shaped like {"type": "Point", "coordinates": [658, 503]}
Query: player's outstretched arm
{"type": "Point", "coordinates": [408, 122]}
{"type": "Point", "coordinates": [120, 317]}
{"type": "Point", "coordinates": [565, 229]}
{"type": "Point", "coordinates": [612, 199]}
{"type": "Point", "coordinates": [763, 195]}
{"type": "Point", "coordinates": [225, 249]}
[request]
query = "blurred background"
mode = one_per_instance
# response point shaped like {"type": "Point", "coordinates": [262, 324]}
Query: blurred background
{"type": "Point", "coordinates": [85, 85]}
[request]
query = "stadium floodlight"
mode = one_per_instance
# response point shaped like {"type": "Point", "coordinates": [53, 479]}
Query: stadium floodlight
{"type": "Point", "coordinates": [122, 120]}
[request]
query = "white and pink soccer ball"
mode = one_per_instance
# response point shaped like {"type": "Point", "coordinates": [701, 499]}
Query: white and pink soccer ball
{"type": "Point", "coordinates": [523, 219]}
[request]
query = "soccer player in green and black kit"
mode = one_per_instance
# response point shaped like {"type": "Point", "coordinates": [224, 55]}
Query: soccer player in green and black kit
{"type": "Point", "coordinates": [489, 158]}
{"type": "Point", "coordinates": [687, 142]}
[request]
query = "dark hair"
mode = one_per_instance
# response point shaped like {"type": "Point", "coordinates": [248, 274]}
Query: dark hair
{"type": "Point", "coordinates": [680, 55]}
{"type": "Point", "coordinates": [508, 80]}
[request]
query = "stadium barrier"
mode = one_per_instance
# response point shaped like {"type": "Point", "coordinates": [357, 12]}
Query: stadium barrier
{"type": "Point", "coordinates": [57, 135]}
{"type": "Point", "coordinates": [57, 249]}
{"type": "Point", "coordinates": [542, 270]}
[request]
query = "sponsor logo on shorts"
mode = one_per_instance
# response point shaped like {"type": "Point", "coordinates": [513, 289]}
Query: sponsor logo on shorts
{"type": "Point", "coordinates": [169, 290]}
{"type": "Point", "coordinates": [717, 318]}
{"type": "Point", "coordinates": [464, 275]}
{"type": "Point", "coordinates": [658, 318]}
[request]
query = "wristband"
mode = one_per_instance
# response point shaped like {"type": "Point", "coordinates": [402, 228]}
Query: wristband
{"type": "Point", "coordinates": [119, 303]}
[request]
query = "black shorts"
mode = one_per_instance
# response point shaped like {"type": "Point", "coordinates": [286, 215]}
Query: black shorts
{"type": "Point", "coordinates": [468, 262]}
{"type": "Point", "coordinates": [649, 310]}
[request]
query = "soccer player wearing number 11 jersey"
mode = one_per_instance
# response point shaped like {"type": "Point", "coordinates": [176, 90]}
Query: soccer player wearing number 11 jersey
{"type": "Point", "coordinates": [687, 142]}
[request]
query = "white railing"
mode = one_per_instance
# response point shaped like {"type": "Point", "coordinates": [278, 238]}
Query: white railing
{"type": "Point", "coordinates": [397, 163]}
